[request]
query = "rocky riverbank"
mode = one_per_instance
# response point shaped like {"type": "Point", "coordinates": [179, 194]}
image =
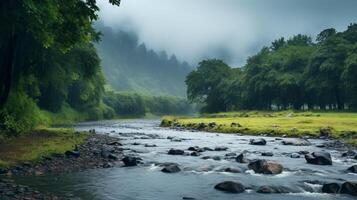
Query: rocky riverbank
{"type": "Point", "coordinates": [97, 151]}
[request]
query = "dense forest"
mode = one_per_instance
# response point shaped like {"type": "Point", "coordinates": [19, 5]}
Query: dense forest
{"type": "Point", "coordinates": [51, 72]}
{"type": "Point", "coordinates": [296, 73]}
{"type": "Point", "coordinates": [131, 66]}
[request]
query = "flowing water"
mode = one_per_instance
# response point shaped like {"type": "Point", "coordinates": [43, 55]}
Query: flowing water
{"type": "Point", "coordinates": [198, 176]}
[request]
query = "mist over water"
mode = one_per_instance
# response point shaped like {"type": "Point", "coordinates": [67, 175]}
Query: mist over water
{"type": "Point", "coordinates": [228, 29]}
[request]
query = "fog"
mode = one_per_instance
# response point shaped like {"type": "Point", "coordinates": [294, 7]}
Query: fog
{"type": "Point", "coordinates": [228, 29]}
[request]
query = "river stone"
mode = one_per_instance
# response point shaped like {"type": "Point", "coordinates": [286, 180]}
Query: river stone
{"type": "Point", "coordinates": [349, 187]}
{"type": "Point", "coordinates": [232, 154]}
{"type": "Point", "coordinates": [221, 148]}
{"type": "Point", "coordinates": [230, 186]}
{"type": "Point", "coordinates": [114, 143]}
{"type": "Point", "coordinates": [195, 153]}
{"type": "Point", "coordinates": [150, 145]}
{"type": "Point", "coordinates": [216, 158]}
{"type": "Point", "coordinates": [353, 169]}
{"type": "Point", "coordinates": [258, 141]}
{"type": "Point", "coordinates": [269, 154]}
{"type": "Point", "coordinates": [176, 139]}
{"type": "Point", "coordinates": [3, 171]}
{"type": "Point", "coordinates": [241, 158]}
{"type": "Point", "coordinates": [188, 198]}
{"type": "Point", "coordinates": [349, 153]}
{"type": "Point", "coordinates": [265, 189]}
{"type": "Point", "coordinates": [265, 167]}
{"type": "Point", "coordinates": [207, 149]}
{"type": "Point", "coordinates": [331, 188]}
{"type": "Point", "coordinates": [130, 161]}
{"type": "Point", "coordinates": [72, 153]}
{"type": "Point", "coordinates": [295, 155]}
{"type": "Point", "coordinates": [176, 152]}
{"type": "Point", "coordinates": [232, 170]}
{"type": "Point", "coordinates": [296, 142]}
{"type": "Point", "coordinates": [112, 157]}
{"type": "Point", "coordinates": [173, 168]}
{"type": "Point", "coordinates": [319, 158]}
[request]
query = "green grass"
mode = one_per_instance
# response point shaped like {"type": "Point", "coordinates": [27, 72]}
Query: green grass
{"type": "Point", "coordinates": [290, 123]}
{"type": "Point", "coordinates": [38, 143]}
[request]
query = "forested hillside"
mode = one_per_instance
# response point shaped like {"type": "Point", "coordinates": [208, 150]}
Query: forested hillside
{"type": "Point", "coordinates": [131, 66]}
{"type": "Point", "coordinates": [296, 73]}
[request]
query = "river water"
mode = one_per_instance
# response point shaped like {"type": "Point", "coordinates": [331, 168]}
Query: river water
{"type": "Point", "coordinates": [198, 176]}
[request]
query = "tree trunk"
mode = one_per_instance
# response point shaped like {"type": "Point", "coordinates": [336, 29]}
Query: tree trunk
{"type": "Point", "coordinates": [7, 67]}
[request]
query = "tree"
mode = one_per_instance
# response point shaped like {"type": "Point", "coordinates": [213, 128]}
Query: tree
{"type": "Point", "coordinates": [49, 22]}
{"type": "Point", "coordinates": [203, 85]}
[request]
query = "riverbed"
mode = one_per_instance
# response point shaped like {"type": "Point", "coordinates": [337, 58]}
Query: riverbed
{"type": "Point", "coordinates": [145, 139]}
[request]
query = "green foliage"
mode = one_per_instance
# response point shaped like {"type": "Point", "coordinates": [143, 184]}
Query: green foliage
{"type": "Point", "coordinates": [290, 74]}
{"type": "Point", "coordinates": [125, 104]}
{"type": "Point", "coordinates": [21, 114]}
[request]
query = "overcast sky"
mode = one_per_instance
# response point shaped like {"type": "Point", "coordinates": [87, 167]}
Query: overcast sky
{"type": "Point", "coordinates": [227, 29]}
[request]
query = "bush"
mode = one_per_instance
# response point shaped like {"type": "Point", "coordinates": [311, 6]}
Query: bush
{"type": "Point", "coordinates": [21, 114]}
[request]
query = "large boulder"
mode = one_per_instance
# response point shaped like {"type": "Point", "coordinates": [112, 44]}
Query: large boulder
{"type": "Point", "coordinates": [265, 167]}
{"type": "Point", "coordinates": [331, 188]}
{"type": "Point", "coordinates": [352, 169]}
{"type": "Point", "coordinates": [173, 168]}
{"type": "Point", "coordinates": [258, 141]}
{"type": "Point", "coordinates": [130, 161]}
{"type": "Point", "coordinates": [176, 152]}
{"type": "Point", "coordinates": [319, 158]}
{"type": "Point", "coordinates": [241, 158]}
{"type": "Point", "coordinates": [230, 186]}
{"type": "Point", "coordinates": [349, 187]}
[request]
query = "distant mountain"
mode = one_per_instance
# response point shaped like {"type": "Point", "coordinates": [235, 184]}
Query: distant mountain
{"type": "Point", "coordinates": [130, 66]}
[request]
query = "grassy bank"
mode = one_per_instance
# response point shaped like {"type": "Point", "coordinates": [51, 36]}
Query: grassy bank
{"type": "Point", "coordinates": [289, 123]}
{"type": "Point", "coordinates": [38, 143]}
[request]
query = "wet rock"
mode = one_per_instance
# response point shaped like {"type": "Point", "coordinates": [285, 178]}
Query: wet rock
{"type": "Point", "coordinates": [114, 143]}
{"type": "Point", "coordinates": [230, 186]}
{"type": "Point", "coordinates": [130, 161]}
{"type": "Point", "coordinates": [349, 153]}
{"type": "Point", "coordinates": [207, 149]}
{"type": "Point", "coordinates": [221, 148]}
{"type": "Point", "coordinates": [212, 124]}
{"type": "Point", "coordinates": [331, 188]}
{"type": "Point", "coordinates": [217, 158]}
{"type": "Point", "coordinates": [176, 139]}
{"type": "Point", "coordinates": [195, 153]}
{"type": "Point", "coordinates": [295, 155]}
{"type": "Point", "coordinates": [349, 187]}
{"type": "Point", "coordinates": [3, 170]}
{"type": "Point", "coordinates": [112, 157]}
{"type": "Point", "coordinates": [173, 168]}
{"type": "Point", "coordinates": [234, 124]}
{"type": "Point", "coordinates": [265, 189]}
{"type": "Point", "coordinates": [269, 154]}
{"type": "Point", "coordinates": [321, 145]}
{"type": "Point", "coordinates": [72, 154]}
{"type": "Point", "coordinates": [319, 158]}
{"type": "Point", "coordinates": [206, 157]}
{"type": "Point", "coordinates": [196, 148]}
{"type": "Point", "coordinates": [176, 152]}
{"type": "Point", "coordinates": [136, 143]}
{"type": "Point", "coordinates": [231, 154]}
{"type": "Point", "coordinates": [356, 157]}
{"type": "Point", "coordinates": [352, 169]}
{"type": "Point", "coordinates": [232, 170]}
{"type": "Point", "coordinates": [303, 152]}
{"type": "Point", "coordinates": [107, 165]}
{"type": "Point", "coordinates": [150, 145]}
{"type": "Point", "coordinates": [265, 167]}
{"type": "Point", "coordinates": [258, 141]}
{"type": "Point", "coordinates": [188, 198]}
{"type": "Point", "coordinates": [241, 158]}
{"type": "Point", "coordinates": [296, 142]}
{"type": "Point", "coordinates": [325, 132]}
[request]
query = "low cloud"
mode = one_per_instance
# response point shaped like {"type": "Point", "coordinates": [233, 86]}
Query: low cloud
{"type": "Point", "coordinates": [227, 29]}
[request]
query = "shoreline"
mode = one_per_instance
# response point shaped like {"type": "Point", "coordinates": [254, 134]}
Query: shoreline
{"type": "Point", "coordinates": [97, 151]}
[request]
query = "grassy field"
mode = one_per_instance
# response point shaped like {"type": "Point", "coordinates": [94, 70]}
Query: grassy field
{"type": "Point", "coordinates": [32, 146]}
{"type": "Point", "coordinates": [339, 124]}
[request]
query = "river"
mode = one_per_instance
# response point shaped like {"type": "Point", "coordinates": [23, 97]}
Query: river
{"type": "Point", "coordinates": [198, 176]}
